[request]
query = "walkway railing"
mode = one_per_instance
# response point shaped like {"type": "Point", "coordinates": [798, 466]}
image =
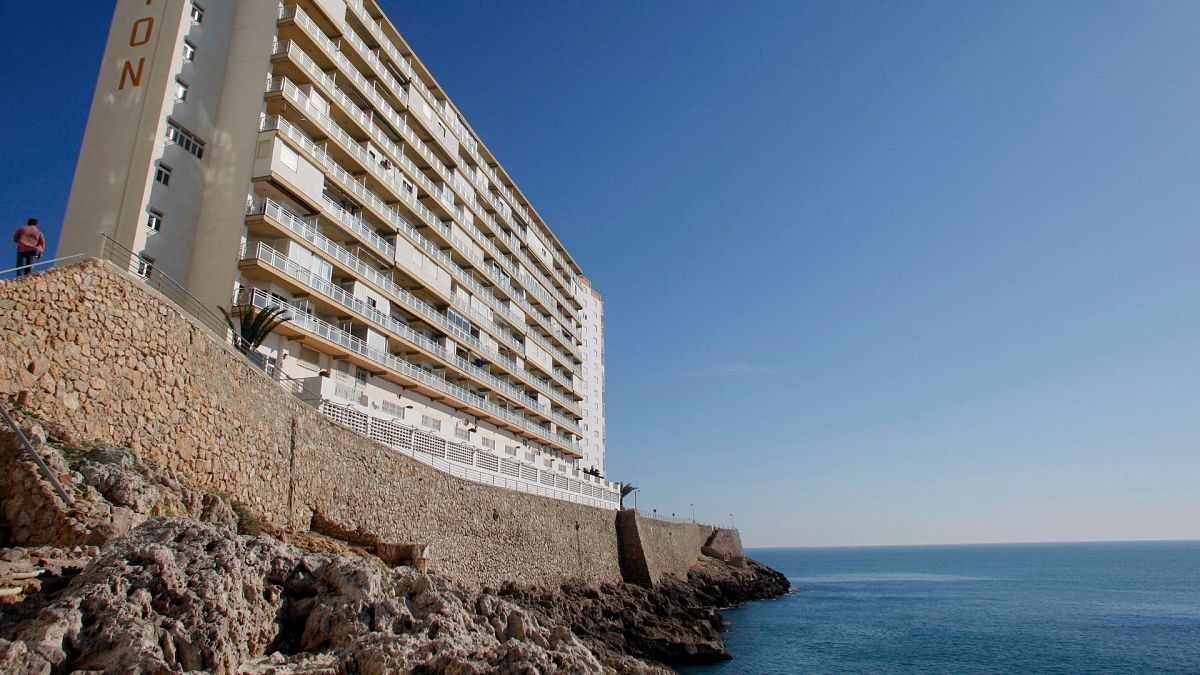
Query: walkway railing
{"type": "Point", "coordinates": [44, 264]}
{"type": "Point", "coordinates": [654, 515]}
{"type": "Point", "coordinates": [152, 277]}
{"type": "Point", "coordinates": [37, 458]}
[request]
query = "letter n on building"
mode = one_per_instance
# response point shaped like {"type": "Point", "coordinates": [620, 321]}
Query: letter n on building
{"type": "Point", "coordinates": [128, 73]}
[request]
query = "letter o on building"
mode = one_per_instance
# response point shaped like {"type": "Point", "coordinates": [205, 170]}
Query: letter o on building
{"type": "Point", "coordinates": [142, 30]}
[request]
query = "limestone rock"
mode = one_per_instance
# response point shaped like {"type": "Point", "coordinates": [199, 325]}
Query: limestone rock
{"type": "Point", "coordinates": [111, 472]}
{"type": "Point", "coordinates": [676, 623]}
{"type": "Point", "coordinates": [15, 658]}
{"type": "Point", "coordinates": [218, 511]}
{"type": "Point", "coordinates": [183, 595]}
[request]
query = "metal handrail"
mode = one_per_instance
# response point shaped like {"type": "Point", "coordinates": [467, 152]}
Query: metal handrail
{"type": "Point", "coordinates": [299, 390]}
{"type": "Point", "coordinates": [138, 267]}
{"type": "Point", "coordinates": [33, 453]}
{"type": "Point", "coordinates": [680, 520]}
{"type": "Point", "coordinates": [44, 263]}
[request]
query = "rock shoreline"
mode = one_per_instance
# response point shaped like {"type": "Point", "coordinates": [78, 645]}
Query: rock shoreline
{"type": "Point", "coordinates": [157, 578]}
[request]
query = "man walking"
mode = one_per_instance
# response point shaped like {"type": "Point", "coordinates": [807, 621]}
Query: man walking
{"type": "Point", "coordinates": [30, 244]}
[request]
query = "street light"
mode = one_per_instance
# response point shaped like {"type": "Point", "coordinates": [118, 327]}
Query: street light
{"type": "Point", "coordinates": [693, 512]}
{"type": "Point", "coordinates": [731, 526]}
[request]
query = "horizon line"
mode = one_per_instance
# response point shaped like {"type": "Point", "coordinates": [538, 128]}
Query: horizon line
{"type": "Point", "coordinates": [986, 543]}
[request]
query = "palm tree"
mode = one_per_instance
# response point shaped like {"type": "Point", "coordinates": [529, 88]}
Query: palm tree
{"type": "Point", "coordinates": [254, 325]}
{"type": "Point", "coordinates": [626, 490]}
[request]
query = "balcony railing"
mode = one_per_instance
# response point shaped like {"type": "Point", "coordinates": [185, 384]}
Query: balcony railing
{"type": "Point", "coordinates": [311, 324]}
{"type": "Point", "coordinates": [310, 234]}
{"type": "Point", "coordinates": [305, 277]}
{"type": "Point", "coordinates": [312, 70]}
{"type": "Point", "coordinates": [297, 15]}
{"type": "Point", "coordinates": [385, 211]}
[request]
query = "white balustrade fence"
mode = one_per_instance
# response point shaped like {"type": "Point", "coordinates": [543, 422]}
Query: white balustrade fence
{"type": "Point", "coordinates": [467, 462]}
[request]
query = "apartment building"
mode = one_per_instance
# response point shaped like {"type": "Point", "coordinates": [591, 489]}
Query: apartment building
{"type": "Point", "coordinates": [298, 154]}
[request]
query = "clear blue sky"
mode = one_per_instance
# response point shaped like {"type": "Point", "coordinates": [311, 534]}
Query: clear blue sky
{"type": "Point", "coordinates": [874, 273]}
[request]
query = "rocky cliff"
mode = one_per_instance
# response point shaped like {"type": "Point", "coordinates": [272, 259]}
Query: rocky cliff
{"type": "Point", "coordinates": [144, 574]}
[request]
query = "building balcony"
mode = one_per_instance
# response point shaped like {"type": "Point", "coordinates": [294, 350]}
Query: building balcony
{"type": "Point", "coordinates": [357, 227]}
{"type": "Point", "coordinates": [357, 351]}
{"type": "Point", "coordinates": [337, 298]}
{"type": "Point", "coordinates": [291, 225]}
{"type": "Point", "coordinates": [388, 112]}
{"type": "Point", "coordinates": [386, 213]}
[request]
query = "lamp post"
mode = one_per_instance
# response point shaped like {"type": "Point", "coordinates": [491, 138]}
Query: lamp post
{"type": "Point", "coordinates": [693, 512]}
{"type": "Point", "coordinates": [731, 526]}
{"type": "Point", "coordinates": [635, 491]}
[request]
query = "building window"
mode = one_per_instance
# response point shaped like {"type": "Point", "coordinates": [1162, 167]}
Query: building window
{"type": "Point", "coordinates": [371, 303]}
{"type": "Point", "coordinates": [181, 90]}
{"type": "Point", "coordinates": [162, 173]}
{"type": "Point", "coordinates": [145, 266]}
{"type": "Point", "coordinates": [184, 139]}
{"type": "Point", "coordinates": [309, 357]}
{"type": "Point", "coordinates": [431, 422]}
{"type": "Point", "coordinates": [442, 128]}
{"type": "Point", "coordinates": [462, 432]}
{"type": "Point", "coordinates": [360, 377]}
{"type": "Point", "coordinates": [460, 322]}
{"type": "Point", "coordinates": [189, 52]}
{"type": "Point", "coordinates": [197, 13]}
{"type": "Point", "coordinates": [289, 157]}
{"type": "Point", "coordinates": [154, 220]}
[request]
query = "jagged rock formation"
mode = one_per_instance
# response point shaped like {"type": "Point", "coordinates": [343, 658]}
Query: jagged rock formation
{"type": "Point", "coordinates": [674, 623]}
{"type": "Point", "coordinates": [148, 575]}
{"type": "Point", "coordinates": [181, 595]}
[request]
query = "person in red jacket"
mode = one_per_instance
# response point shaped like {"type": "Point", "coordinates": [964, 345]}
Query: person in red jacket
{"type": "Point", "coordinates": [30, 244]}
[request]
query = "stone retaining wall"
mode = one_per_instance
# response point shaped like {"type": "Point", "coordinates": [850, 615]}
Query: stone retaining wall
{"type": "Point", "coordinates": [117, 362]}
{"type": "Point", "coordinates": [651, 548]}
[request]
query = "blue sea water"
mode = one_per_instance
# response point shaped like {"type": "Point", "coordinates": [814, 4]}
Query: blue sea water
{"type": "Point", "coordinates": [1023, 608]}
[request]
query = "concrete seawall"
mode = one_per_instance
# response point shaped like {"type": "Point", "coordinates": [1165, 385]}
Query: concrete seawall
{"type": "Point", "coordinates": [117, 362]}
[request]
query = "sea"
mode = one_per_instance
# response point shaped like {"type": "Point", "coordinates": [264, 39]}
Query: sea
{"type": "Point", "coordinates": [1130, 607]}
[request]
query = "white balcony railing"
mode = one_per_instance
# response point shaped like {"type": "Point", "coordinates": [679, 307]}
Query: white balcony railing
{"type": "Point", "coordinates": [332, 51]}
{"type": "Point", "coordinates": [354, 186]}
{"type": "Point", "coordinates": [475, 465]}
{"type": "Point", "coordinates": [305, 277]}
{"type": "Point", "coordinates": [311, 324]}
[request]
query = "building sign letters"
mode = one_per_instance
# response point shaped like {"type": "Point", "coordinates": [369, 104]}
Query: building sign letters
{"type": "Point", "coordinates": [139, 35]}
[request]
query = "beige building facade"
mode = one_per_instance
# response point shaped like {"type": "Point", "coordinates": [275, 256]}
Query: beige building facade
{"type": "Point", "coordinates": [298, 154]}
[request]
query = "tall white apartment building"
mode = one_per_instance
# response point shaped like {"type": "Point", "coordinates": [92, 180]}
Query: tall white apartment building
{"type": "Point", "coordinates": [299, 154]}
